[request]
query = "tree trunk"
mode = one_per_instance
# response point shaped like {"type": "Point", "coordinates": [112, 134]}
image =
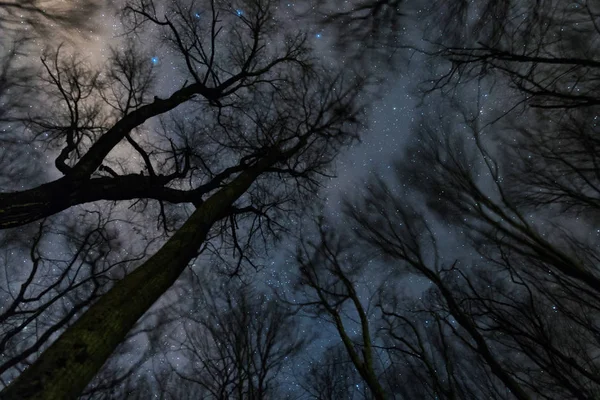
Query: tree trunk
{"type": "Point", "coordinates": [68, 365]}
{"type": "Point", "coordinates": [20, 208]}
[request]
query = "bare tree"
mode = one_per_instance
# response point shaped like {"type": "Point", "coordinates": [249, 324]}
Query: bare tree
{"type": "Point", "coordinates": [527, 308]}
{"type": "Point", "coordinates": [223, 70]}
{"type": "Point", "coordinates": [333, 376]}
{"type": "Point", "coordinates": [544, 50]}
{"type": "Point", "coordinates": [45, 288]}
{"type": "Point", "coordinates": [417, 341]}
{"type": "Point", "coordinates": [554, 164]}
{"type": "Point", "coordinates": [330, 292]}
{"type": "Point", "coordinates": [523, 315]}
{"type": "Point", "coordinates": [420, 342]}
{"type": "Point", "coordinates": [529, 208]}
{"type": "Point", "coordinates": [265, 115]}
{"type": "Point", "coordinates": [228, 340]}
{"type": "Point", "coordinates": [22, 23]}
{"type": "Point", "coordinates": [235, 343]}
{"type": "Point", "coordinates": [404, 235]}
{"type": "Point", "coordinates": [481, 331]}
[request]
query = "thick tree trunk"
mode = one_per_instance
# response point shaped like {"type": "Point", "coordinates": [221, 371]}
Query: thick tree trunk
{"type": "Point", "coordinates": [20, 208]}
{"type": "Point", "coordinates": [68, 365]}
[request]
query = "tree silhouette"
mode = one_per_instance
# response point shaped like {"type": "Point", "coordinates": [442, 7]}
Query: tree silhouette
{"type": "Point", "coordinates": [267, 116]}
{"type": "Point", "coordinates": [21, 24]}
{"type": "Point", "coordinates": [230, 362]}
{"type": "Point", "coordinates": [493, 204]}
{"type": "Point", "coordinates": [522, 313]}
{"type": "Point", "coordinates": [542, 265]}
{"type": "Point", "coordinates": [222, 77]}
{"type": "Point", "coordinates": [224, 341]}
{"type": "Point", "coordinates": [328, 291]}
{"type": "Point", "coordinates": [333, 376]}
{"type": "Point", "coordinates": [511, 183]}
{"type": "Point", "coordinates": [44, 298]}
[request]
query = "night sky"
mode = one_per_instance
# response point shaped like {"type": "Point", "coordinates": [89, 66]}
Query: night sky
{"type": "Point", "coordinates": [390, 148]}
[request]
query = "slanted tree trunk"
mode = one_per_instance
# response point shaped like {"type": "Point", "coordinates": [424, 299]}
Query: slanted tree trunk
{"type": "Point", "coordinates": [68, 365]}
{"type": "Point", "coordinates": [20, 208]}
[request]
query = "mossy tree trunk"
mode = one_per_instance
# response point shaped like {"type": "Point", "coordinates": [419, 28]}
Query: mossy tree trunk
{"type": "Point", "coordinates": [69, 364]}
